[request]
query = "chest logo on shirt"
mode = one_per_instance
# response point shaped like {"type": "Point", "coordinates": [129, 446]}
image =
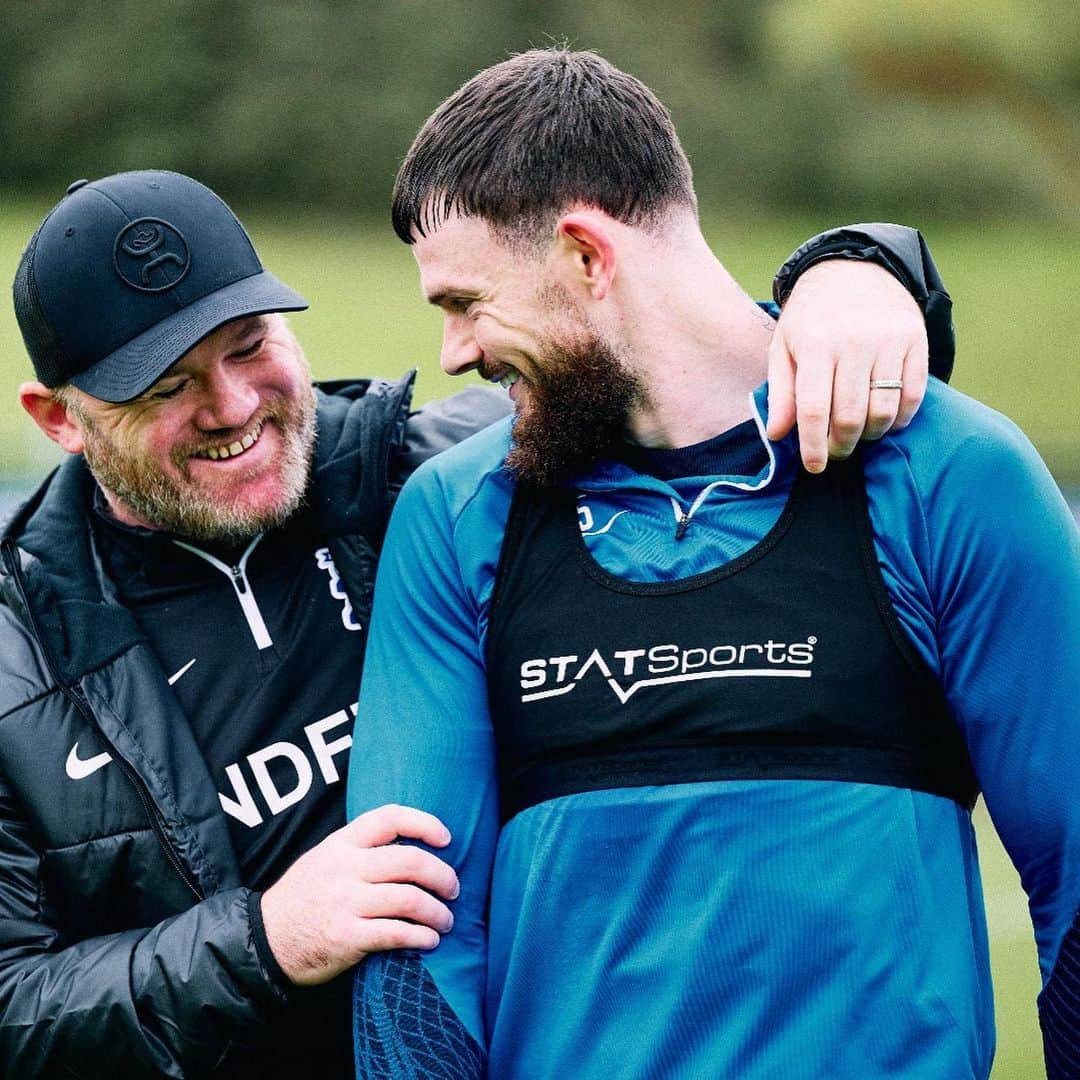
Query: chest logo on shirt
{"type": "Point", "coordinates": [629, 670]}
{"type": "Point", "coordinates": [325, 561]}
{"type": "Point", "coordinates": [587, 520]}
{"type": "Point", "coordinates": [79, 768]}
{"type": "Point", "coordinates": [283, 772]}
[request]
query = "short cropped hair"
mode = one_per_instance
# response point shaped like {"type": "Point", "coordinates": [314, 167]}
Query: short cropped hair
{"type": "Point", "coordinates": [523, 140]}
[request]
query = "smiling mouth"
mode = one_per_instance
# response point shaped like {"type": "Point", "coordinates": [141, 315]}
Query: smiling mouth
{"type": "Point", "coordinates": [234, 448]}
{"type": "Point", "coordinates": [506, 378]}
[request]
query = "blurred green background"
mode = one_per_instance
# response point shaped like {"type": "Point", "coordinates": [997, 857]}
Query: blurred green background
{"type": "Point", "coordinates": [963, 119]}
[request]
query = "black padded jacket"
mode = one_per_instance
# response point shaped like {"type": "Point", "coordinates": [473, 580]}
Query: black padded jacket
{"type": "Point", "coordinates": [126, 942]}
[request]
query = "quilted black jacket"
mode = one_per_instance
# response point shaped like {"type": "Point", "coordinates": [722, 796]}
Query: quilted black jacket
{"type": "Point", "coordinates": [126, 948]}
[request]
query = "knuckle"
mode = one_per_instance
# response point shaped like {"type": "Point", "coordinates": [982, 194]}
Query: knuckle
{"type": "Point", "coordinates": [881, 414]}
{"type": "Point", "coordinates": [394, 935]}
{"type": "Point", "coordinates": [813, 412]}
{"type": "Point", "coordinates": [413, 860]}
{"type": "Point", "coordinates": [847, 423]}
{"type": "Point", "coordinates": [411, 903]}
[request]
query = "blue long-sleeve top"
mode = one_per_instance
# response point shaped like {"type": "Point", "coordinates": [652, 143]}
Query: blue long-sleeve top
{"type": "Point", "coordinates": [755, 928]}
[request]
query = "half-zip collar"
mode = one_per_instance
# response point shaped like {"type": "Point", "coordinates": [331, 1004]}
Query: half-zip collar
{"type": "Point", "coordinates": [237, 576]}
{"type": "Point", "coordinates": [687, 494]}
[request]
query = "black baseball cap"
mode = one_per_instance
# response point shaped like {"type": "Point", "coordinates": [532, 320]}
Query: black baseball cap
{"type": "Point", "coordinates": [128, 273]}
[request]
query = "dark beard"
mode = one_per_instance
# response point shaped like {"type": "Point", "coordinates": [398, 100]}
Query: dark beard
{"type": "Point", "coordinates": [578, 411]}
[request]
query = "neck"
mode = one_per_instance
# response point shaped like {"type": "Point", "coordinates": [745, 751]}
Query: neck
{"type": "Point", "coordinates": [695, 339]}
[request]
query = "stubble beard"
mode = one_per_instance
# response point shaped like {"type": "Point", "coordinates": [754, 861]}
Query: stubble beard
{"type": "Point", "coordinates": [182, 507]}
{"type": "Point", "coordinates": [580, 400]}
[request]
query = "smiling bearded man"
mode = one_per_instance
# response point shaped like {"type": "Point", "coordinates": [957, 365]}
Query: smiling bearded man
{"type": "Point", "coordinates": [195, 580]}
{"type": "Point", "coordinates": [706, 728]}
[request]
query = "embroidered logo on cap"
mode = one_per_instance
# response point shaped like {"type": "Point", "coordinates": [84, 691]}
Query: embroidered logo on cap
{"type": "Point", "coordinates": [151, 255]}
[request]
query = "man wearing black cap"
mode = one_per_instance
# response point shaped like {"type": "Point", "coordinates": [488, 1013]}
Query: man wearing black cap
{"type": "Point", "coordinates": [184, 606]}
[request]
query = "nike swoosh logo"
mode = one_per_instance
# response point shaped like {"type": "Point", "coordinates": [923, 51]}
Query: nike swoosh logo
{"type": "Point", "coordinates": [80, 768]}
{"type": "Point", "coordinates": [177, 675]}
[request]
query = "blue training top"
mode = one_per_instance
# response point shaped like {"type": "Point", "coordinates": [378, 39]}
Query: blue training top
{"type": "Point", "coordinates": [756, 928]}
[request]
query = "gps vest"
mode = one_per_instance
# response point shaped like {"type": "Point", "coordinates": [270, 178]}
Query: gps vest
{"type": "Point", "coordinates": [785, 663]}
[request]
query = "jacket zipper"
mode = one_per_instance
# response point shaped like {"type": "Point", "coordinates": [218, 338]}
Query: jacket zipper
{"type": "Point", "coordinates": [237, 576]}
{"type": "Point", "coordinates": [83, 707]}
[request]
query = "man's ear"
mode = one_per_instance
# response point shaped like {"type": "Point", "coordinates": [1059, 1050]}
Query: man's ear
{"type": "Point", "coordinates": [51, 416]}
{"type": "Point", "coordinates": [585, 238]}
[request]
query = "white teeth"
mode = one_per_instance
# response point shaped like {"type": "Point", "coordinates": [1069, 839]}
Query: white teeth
{"type": "Point", "coordinates": [219, 453]}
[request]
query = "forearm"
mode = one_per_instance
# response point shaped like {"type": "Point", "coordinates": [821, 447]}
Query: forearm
{"type": "Point", "coordinates": [1059, 1009]}
{"type": "Point", "coordinates": [423, 738]}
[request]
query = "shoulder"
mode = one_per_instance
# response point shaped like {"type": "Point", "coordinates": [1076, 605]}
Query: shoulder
{"type": "Point", "coordinates": [456, 478]}
{"type": "Point", "coordinates": [452, 513]}
{"type": "Point", "coordinates": [955, 441]}
{"type": "Point", "coordinates": [969, 481]}
{"type": "Point", "coordinates": [440, 424]}
{"type": "Point", "coordinates": [24, 676]}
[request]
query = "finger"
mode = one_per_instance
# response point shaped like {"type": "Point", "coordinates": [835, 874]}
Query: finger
{"type": "Point", "coordinates": [391, 822]}
{"type": "Point", "coordinates": [395, 901]}
{"type": "Point", "coordinates": [813, 393]}
{"type": "Point", "coordinates": [380, 935]}
{"type": "Point", "coordinates": [881, 412]}
{"type": "Point", "coordinates": [916, 376]}
{"type": "Point", "coordinates": [851, 387]}
{"type": "Point", "coordinates": [781, 377]}
{"type": "Point", "coordinates": [884, 401]}
{"type": "Point", "coordinates": [405, 863]}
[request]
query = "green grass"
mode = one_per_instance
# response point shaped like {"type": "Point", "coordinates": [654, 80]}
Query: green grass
{"type": "Point", "coordinates": [1017, 321]}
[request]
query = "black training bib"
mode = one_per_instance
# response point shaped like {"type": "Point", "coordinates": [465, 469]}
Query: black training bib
{"type": "Point", "coordinates": [785, 663]}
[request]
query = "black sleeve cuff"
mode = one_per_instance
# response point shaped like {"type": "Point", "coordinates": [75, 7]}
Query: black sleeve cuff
{"type": "Point", "coordinates": [262, 944]}
{"type": "Point", "coordinates": [1059, 1010]}
{"type": "Point", "coordinates": [901, 251]}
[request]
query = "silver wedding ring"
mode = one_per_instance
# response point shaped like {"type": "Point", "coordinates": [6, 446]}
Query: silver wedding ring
{"type": "Point", "coordinates": [886, 384]}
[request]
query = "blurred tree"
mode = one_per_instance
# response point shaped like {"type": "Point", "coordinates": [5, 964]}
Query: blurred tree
{"type": "Point", "coordinates": [840, 106]}
{"type": "Point", "coordinates": [1020, 60]}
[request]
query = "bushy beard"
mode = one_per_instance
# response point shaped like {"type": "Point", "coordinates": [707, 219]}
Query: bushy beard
{"type": "Point", "coordinates": [184, 508]}
{"type": "Point", "coordinates": [580, 398]}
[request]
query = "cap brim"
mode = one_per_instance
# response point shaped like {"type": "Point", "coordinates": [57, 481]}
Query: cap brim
{"type": "Point", "coordinates": [134, 367]}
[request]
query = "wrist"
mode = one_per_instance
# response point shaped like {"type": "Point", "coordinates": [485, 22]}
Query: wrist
{"type": "Point", "coordinates": [901, 251]}
{"type": "Point", "coordinates": [275, 974]}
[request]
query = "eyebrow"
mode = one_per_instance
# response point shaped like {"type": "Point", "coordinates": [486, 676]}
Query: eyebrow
{"type": "Point", "coordinates": [243, 327]}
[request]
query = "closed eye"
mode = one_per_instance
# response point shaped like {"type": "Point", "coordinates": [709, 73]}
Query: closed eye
{"type": "Point", "coordinates": [250, 350]}
{"type": "Point", "coordinates": [450, 304]}
{"type": "Point", "coordinates": [172, 391]}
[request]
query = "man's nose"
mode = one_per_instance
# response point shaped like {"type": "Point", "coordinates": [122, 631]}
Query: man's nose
{"type": "Point", "coordinates": [460, 351]}
{"type": "Point", "coordinates": [229, 401]}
